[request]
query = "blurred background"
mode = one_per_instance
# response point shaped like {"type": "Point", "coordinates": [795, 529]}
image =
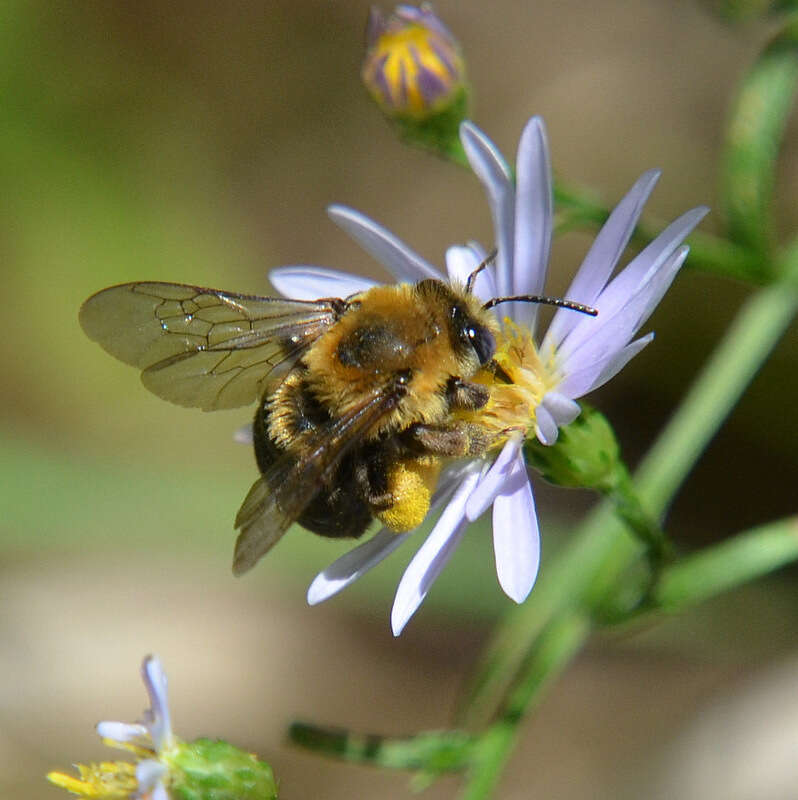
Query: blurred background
{"type": "Point", "coordinates": [200, 142]}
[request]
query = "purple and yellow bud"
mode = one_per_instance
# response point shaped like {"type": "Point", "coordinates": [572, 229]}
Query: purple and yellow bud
{"type": "Point", "coordinates": [413, 65]}
{"type": "Point", "coordinates": [415, 72]}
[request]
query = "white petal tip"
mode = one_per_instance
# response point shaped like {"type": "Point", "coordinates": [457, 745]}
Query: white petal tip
{"type": "Point", "coordinates": [322, 589]}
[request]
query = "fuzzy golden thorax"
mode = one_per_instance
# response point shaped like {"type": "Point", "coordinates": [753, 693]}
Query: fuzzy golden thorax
{"type": "Point", "coordinates": [420, 336]}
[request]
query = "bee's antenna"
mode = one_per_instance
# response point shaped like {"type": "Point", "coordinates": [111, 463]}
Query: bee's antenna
{"type": "Point", "coordinates": [548, 301]}
{"type": "Point", "coordinates": [472, 277]}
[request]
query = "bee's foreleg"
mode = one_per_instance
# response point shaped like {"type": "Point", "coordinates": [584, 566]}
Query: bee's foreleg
{"type": "Point", "coordinates": [451, 441]}
{"type": "Point", "coordinates": [465, 395]}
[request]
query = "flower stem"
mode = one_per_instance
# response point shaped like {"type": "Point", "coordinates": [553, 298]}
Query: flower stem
{"type": "Point", "coordinates": [553, 651]}
{"type": "Point", "coordinates": [742, 558]}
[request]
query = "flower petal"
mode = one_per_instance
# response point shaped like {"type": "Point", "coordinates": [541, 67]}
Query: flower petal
{"type": "Point", "coordinates": [639, 273]}
{"type": "Point", "coordinates": [157, 716]}
{"type": "Point", "coordinates": [562, 408]}
{"type": "Point", "coordinates": [516, 536]}
{"type": "Point", "coordinates": [404, 264]}
{"type": "Point", "coordinates": [311, 283]}
{"type": "Point", "coordinates": [533, 218]}
{"type": "Point", "coordinates": [613, 336]}
{"type": "Point", "coordinates": [353, 565]}
{"type": "Point", "coordinates": [493, 481]}
{"type": "Point", "coordinates": [496, 177]}
{"type": "Point", "coordinates": [122, 731]}
{"type": "Point", "coordinates": [461, 261]}
{"type": "Point", "coordinates": [431, 556]}
{"type": "Point", "coordinates": [149, 772]}
{"type": "Point", "coordinates": [159, 792]}
{"type": "Point", "coordinates": [545, 426]}
{"type": "Point", "coordinates": [616, 364]}
{"type": "Point", "coordinates": [602, 257]}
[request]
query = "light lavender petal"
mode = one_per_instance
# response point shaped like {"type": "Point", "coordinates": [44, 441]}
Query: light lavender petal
{"type": "Point", "coordinates": [461, 261]}
{"type": "Point", "coordinates": [493, 481]}
{"type": "Point", "coordinates": [516, 536]}
{"type": "Point", "coordinates": [578, 382]}
{"type": "Point", "coordinates": [148, 773]}
{"type": "Point", "coordinates": [431, 556]}
{"type": "Point", "coordinates": [485, 284]}
{"type": "Point", "coordinates": [353, 565]}
{"type": "Point", "coordinates": [533, 218]}
{"type": "Point", "coordinates": [615, 334]}
{"type": "Point", "coordinates": [496, 177]}
{"type": "Point", "coordinates": [159, 792]}
{"type": "Point", "coordinates": [122, 731]}
{"type": "Point", "coordinates": [311, 283]}
{"type": "Point", "coordinates": [405, 264]}
{"type": "Point", "coordinates": [562, 408]}
{"type": "Point", "coordinates": [616, 364]}
{"type": "Point", "coordinates": [545, 426]}
{"type": "Point", "coordinates": [602, 257]}
{"type": "Point", "coordinates": [628, 283]}
{"type": "Point", "coordinates": [157, 717]}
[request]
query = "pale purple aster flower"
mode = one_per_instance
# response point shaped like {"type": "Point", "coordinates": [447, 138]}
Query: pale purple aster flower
{"type": "Point", "coordinates": [153, 734]}
{"type": "Point", "coordinates": [577, 354]}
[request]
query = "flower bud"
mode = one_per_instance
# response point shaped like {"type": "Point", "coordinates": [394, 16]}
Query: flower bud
{"type": "Point", "coordinates": [415, 72]}
{"type": "Point", "coordinates": [585, 455]}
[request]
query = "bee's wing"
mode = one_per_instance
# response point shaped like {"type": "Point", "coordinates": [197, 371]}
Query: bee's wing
{"type": "Point", "coordinates": [277, 499]}
{"type": "Point", "coordinates": [204, 348]}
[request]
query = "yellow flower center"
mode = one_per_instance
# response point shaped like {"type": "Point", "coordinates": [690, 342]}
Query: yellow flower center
{"type": "Point", "coordinates": [108, 780]}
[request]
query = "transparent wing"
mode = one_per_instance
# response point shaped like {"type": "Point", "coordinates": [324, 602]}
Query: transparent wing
{"type": "Point", "coordinates": [205, 348]}
{"type": "Point", "coordinates": [277, 499]}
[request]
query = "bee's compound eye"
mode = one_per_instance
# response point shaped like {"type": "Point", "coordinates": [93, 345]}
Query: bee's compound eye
{"type": "Point", "coordinates": [483, 342]}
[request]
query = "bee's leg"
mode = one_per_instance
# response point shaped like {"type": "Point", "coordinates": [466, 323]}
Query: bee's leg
{"type": "Point", "coordinates": [371, 476]}
{"type": "Point", "coordinates": [466, 395]}
{"type": "Point", "coordinates": [451, 441]}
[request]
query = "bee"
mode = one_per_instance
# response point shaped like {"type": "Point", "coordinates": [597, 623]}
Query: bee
{"type": "Point", "coordinates": [354, 395]}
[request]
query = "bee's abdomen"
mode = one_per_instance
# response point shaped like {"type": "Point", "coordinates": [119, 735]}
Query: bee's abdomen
{"type": "Point", "coordinates": [337, 510]}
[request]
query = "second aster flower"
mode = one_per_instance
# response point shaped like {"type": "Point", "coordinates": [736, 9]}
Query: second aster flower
{"type": "Point", "coordinates": [539, 383]}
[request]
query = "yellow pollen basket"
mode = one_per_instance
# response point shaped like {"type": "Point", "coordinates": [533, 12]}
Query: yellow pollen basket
{"type": "Point", "coordinates": [411, 482]}
{"type": "Point", "coordinates": [108, 780]}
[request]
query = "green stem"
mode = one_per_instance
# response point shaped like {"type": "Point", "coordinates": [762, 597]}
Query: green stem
{"type": "Point", "coordinates": [587, 572]}
{"type": "Point", "coordinates": [723, 566]}
{"type": "Point", "coordinates": [553, 651]}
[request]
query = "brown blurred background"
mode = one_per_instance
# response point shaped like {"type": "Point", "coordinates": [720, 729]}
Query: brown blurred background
{"type": "Point", "coordinates": [200, 142]}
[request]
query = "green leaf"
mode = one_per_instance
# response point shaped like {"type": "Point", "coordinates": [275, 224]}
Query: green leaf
{"type": "Point", "coordinates": [754, 134]}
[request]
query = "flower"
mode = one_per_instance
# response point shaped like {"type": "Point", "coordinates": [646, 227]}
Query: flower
{"type": "Point", "coordinates": [413, 66]}
{"type": "Point", "coordinates": [167, 766]}
{"type": "Point", "coordinates": [577, 354]}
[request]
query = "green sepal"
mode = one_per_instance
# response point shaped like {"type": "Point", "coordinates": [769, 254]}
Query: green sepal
{"type": "Point", "coordinates": [438, 132]}
{"type": "Point", "coordinates": [754, 134]}
{"type": "Point", "coordinates": [208, 769]}
{"type": "Point", "coordinates": [586, 454]}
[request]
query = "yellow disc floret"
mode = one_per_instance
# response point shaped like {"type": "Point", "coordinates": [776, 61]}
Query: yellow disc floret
{"type": "Point", "coordinates": [108, 780]}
